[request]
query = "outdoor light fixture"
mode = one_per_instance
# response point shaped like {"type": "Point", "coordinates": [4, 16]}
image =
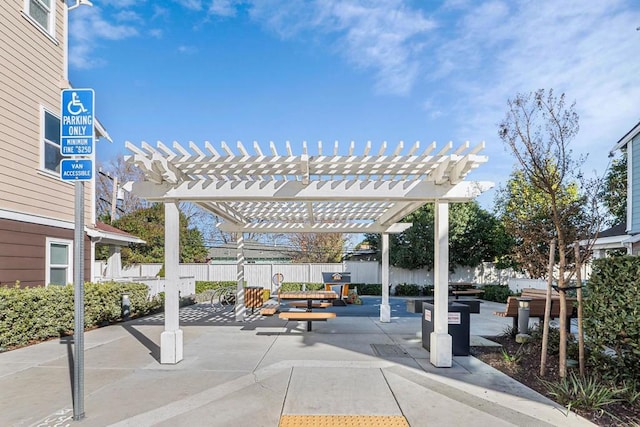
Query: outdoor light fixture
{"type": "Point", "coordinates": [523, 302]}
{"type": "Point", "coordinates": [523, 319]}
{"type": "Point", "coordinates": [81, 3]}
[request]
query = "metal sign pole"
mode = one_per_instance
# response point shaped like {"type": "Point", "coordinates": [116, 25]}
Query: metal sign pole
{"type": "Point", "coordinates": [76, 139]}
{"type": "Point", "coordinates": [78, 282]}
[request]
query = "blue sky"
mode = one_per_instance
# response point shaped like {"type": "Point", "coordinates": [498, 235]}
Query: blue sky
{"type": "Point", "coordinates": [378, 70]}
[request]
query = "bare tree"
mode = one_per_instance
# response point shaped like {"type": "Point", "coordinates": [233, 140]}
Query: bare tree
{"type": "Point", "coordinates": [111, 200]}
{"type": "Point", "coordinates": [317, 247]}
{"type": "Point", "coordinates": [538, 128]}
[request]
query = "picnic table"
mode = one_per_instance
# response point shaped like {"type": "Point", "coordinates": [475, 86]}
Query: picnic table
{"type": "Point", "coordinates": [464, 288]}
{"type": "Point", "coordinates": [309, 315]}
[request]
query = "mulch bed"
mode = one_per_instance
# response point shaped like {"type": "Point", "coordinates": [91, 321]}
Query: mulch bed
{"type": "Point", "coordinates": [527, 369]}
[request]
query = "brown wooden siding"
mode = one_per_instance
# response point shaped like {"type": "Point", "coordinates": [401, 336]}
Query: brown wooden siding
{"type": "Point", "coordinates": [23, 252]}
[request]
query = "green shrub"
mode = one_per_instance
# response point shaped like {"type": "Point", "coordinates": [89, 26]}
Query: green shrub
{"type": "Point", "coordinates": [297, 286]}
{"type": "Point", "coordinates": [497, 293]}
{"type": "Point", "coordinates": [612, 316]}
{"type": "Point", "coordinates": [427, 290]}
{"type": "Point", "coordinates": [29, 315]}
{"type": "Point", "coordinates": [202, 285]}
{"type": "Point", "coordinates": [553, 343]}
{"type": "Point", "coordinates": [368, 288]}
{"type": "Point", "coordinates": [408, 290]}
{"type": "Point", "coordinates": [589, 393]}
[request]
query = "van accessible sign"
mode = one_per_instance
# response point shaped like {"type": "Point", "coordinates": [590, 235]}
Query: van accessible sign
{"type": "Point", "coordinates": [76, 126]}
{"type": "Point", "coordinates": [76, 170]}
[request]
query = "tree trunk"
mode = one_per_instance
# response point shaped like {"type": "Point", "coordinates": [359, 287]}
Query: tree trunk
{"type": "Point", "coordinates": [579, 298]}
{"type": "Point", "coordinates": [547, 311]}
{"type": "Point", "coordinates": [562, 371]}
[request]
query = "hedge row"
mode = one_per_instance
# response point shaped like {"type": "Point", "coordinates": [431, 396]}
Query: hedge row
{"type": "Point", "coordinates": [297, 286]}
{"type": "Point", "coordinates": [29, 315]}
{"type": "Point", "coordinates": [202, 285]}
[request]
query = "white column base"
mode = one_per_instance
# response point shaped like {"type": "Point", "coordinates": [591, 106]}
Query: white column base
{"type": "Point", "coordinates": [385, 313]}
{"type": "Point", "coordinates": [241, 312]}
{"type": "Point", "coordinates": [441, 353]}
{"type": "Point", "coordinates": [171, 347]}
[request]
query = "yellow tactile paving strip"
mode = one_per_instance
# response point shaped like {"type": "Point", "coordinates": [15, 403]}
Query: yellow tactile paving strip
{"type": "Point", "coordinates": [343, 421]}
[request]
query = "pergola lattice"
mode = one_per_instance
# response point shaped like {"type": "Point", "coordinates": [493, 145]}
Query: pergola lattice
{"type": "Point", "coordinates": [283, 192]}
{"type": "Point", "coordinates": [328, 191]}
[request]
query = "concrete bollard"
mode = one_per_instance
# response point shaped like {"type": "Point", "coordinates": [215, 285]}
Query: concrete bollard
{"type": "Point", "coordinates": [523, 319]}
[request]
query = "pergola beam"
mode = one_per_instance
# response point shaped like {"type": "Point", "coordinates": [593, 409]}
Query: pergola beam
{"type": "Point", "coordinates": [275, 227]}
{"type": "Point", "coordinates": [283, 191]}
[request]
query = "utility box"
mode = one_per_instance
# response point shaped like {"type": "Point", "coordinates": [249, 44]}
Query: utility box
{"type": "Point", "coordinates": [459, 327]}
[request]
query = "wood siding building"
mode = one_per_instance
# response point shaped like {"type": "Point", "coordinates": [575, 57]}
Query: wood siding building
{"type": "Point", "coordinates": [36, 206]}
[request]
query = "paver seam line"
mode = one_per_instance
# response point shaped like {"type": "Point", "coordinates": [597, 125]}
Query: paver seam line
{"type": "Point", "coordinates": [197, 400]}
{"type": "Point", "coordinates": [255, 368]}
{"type": "Point", "coordinates": [495, 409]}
{"type": "Point", "coordinates": [286, 393]}
{"type": "Point", "coordinates": [386, 380]}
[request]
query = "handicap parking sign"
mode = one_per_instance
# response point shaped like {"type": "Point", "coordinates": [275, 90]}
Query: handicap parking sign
{"type": "Point", "coordinates": [77, 123]}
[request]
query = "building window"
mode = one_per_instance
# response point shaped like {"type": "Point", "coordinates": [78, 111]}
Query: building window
{"type": "Point", "coordinates": [59, 266]}
{"type": "Point", "coordinates": [42, 12]}
{"type": "Point", "coordinates": [51, 142]}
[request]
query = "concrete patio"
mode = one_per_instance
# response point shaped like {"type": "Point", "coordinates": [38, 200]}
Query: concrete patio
{"type": "Point", "coordinates": [264, 370]}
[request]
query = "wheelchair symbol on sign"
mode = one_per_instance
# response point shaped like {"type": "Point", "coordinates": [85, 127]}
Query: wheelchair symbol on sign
{"type": "Point", "coordinates": [75, 106]}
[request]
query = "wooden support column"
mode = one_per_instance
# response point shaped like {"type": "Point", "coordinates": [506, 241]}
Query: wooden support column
{"type": "Point", "coordinates": [385, 309]}
{"type": "Point", "coordinates": [240, 308]}
{"type": "Point", "coordinates": [171, 343]}
{"type": "Point", "coordinates": [441, 354]}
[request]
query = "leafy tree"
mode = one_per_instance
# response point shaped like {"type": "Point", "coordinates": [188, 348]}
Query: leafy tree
{"type": "Point", "coordinates": [538, 129]}
{"type": "Point", "coordinates": [148, 224]}
{"type": "Point", "coordinates": [475, 236]}
{"type": "Point", "coordinates": [316, 247]}
{"type": "Point", "coordinates": [614, 192]}
{"type": "Point", "coordinates": [526, 213]}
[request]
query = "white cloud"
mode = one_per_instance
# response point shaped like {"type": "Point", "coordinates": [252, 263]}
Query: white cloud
{"type": "Point", "coordinates": [190, 4]}
{"type": "Point", "coordinates": [127, 16]}
{"type": "Point", "coordinates": [156, 33]}
{"type": "Point", "coordinates": [586, 50]}
{"type": "Point", "coordinates": [224, 8]}
{"type": "Point", "coordinates": [87, 27]}
{"type": "Point", "coordinates": [189, 50]}
{"type": "Point", "coordinates": [122, 3]}
{"type": "Point", "coordinates": [385, 36]}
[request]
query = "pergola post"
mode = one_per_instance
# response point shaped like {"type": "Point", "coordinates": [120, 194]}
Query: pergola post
{"type": "Point", "coordinates": [441, 354]}
{"type": "Point", "coordinates": [171, 344]}
{"type": "Point", "coordinates": [385, 309]}
{"type": "Point", "coordinates": [240, 308]}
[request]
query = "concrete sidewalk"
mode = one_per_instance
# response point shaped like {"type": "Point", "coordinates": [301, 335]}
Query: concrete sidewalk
{"type": "Point", "coordinates": [265, 370]}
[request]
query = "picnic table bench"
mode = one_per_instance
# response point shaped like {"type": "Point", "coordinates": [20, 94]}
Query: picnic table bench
{"type": "Point", "coordinates": [309, 297]}
{"type": "Point", "coordinates": [464, 288]}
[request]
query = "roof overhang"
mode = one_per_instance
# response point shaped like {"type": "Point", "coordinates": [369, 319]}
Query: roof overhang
{"type": "Point", "coordinates": [613, 242]}
{"type": "Point", "coordinates": [111, 238]}
{"type": "Point", "coordinates": [100, 130]}
{"type": "Point", "coordinates": [625, 139]}
{"type": "Point", "coordinates": [323, 193]}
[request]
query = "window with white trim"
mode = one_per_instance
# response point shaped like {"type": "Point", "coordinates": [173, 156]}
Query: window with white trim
{"type": "Point", "coordinates": [42, 12]}
{"type": "Point", "coordinates": [51, 142]}
{"type": "Point", "coordinates": [59, 262]}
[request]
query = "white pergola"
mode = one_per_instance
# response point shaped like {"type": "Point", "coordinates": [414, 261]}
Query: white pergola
{"type": "Point", "coordinates": [327, 191]}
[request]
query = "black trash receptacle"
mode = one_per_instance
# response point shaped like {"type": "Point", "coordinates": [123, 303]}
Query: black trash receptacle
{"type": "Point", "coordinates": [458, 327]}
